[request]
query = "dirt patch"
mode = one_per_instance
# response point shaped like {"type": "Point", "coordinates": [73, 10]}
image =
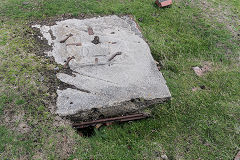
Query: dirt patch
{"type": "Point", "coordinates": [23, 127]}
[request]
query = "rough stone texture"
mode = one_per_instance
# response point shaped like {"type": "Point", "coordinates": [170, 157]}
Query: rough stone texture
{"type": "Point", "coordinates": [106, 86]}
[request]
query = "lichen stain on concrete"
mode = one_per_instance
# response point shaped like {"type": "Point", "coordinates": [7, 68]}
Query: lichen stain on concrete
{"type": "Point", "coordinates": [113, 63]}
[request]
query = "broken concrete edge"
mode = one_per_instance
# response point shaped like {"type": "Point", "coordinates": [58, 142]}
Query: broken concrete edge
{"type": "Point", "coordinates": [133, 106]}
{"type": "Point", "coordinates": [129, 19]}
{"type": "Point", "coordinates": [53, 20]}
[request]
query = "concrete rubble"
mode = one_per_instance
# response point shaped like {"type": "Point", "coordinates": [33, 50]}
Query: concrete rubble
{"type": "Point", "coordinates": [112, 70]}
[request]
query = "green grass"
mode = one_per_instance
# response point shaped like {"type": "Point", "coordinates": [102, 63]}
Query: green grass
{"type": "Point", "coordinates": [17, 144]}
{"type": "Point", "coordinates": [203, 124]}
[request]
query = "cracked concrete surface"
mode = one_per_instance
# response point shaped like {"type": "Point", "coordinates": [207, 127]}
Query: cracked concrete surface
{"type": "Point", "coordinates": [116, 76]}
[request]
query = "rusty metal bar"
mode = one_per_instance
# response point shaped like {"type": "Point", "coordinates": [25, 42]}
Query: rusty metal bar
{"type": "Point", "coordinates": [131, 119]}
{"type": "Point", "coordinates": [74, 44]}
{"type": "Point", "coordinates": [65, 39]}
{"type": "Point", "coordinates": [67, 62]}
{"type": "Point", "coordinates": [109, 120]}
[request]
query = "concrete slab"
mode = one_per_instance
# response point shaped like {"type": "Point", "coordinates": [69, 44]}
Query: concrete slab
{"type": "Point", "coordinates": [113, 70]}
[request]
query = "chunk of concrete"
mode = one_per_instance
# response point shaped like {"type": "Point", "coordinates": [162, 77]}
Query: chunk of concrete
{"type": "Point", "coordinates": [113, 77]}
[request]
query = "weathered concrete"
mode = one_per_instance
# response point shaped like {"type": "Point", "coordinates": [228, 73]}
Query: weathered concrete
{"type": "Point", "coordinates": [113, 77]}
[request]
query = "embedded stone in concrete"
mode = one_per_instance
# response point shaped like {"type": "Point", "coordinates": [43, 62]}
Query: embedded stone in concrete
{"type": "Point", "coordinates": [113, 71]}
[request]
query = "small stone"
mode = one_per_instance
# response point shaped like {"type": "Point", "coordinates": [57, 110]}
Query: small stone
{"type": "Point", "coordinates": [96, 40]}
{"type": "Point", "coordinates": [98, 125]}
{"type": "Point", "coordinates": [42, 79]}
{"type": "Point", "coordinates": [140, 19]}
{"type": "Point", "coordinates": [198, 71]}
{"type": "Point", "coordinates": [46, 56]}
{"type": "Point", "coordinates": [82, 15]}
{"type": "Point", "coordinates": [56, 68]}
{"type": "Point", "coordinates": [164, 157]}
{"type": "Point", "coordinates": [25, 3]}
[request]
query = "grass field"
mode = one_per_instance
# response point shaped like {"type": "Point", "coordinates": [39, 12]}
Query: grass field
{"type": "Point", "coordinates": [202, 124]}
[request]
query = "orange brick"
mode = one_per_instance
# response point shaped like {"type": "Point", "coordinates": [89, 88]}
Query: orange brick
{"type": "Point", "coordinates": [163, 3]}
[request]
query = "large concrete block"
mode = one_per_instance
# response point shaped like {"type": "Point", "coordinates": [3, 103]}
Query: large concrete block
{"type": "Point", "coordinates": [114, 76]}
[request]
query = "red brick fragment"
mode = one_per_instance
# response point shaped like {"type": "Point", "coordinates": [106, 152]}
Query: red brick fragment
{"type": "Point", "coordinates": [163, 3]}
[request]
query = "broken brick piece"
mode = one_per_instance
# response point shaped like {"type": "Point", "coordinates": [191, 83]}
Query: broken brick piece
{"type": "Point", "coordinates": [163, 3]}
